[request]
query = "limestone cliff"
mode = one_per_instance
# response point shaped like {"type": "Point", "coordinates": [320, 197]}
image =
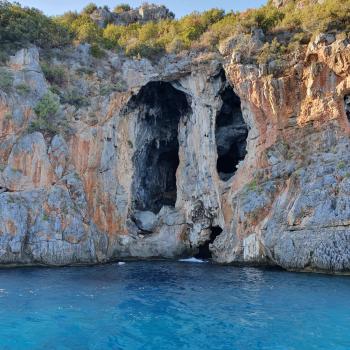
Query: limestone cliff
{"type": "Point", "coordinates": [194, 154]}
{"type": "Point", "coordinates": [102, 16]}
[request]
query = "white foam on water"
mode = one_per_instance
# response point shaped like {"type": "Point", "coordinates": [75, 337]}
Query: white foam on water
{"type": "Point", "coordinates": [120, 263]}
{"type": "Point", "coordinates": [193, 260]}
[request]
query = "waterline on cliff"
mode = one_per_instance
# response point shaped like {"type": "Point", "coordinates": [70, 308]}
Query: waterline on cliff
{"type": "Point", "coordinates": [193, 260]}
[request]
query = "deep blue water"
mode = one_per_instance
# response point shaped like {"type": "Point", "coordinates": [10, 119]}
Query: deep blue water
{"type": "Point", "coordinates": [172, 305]}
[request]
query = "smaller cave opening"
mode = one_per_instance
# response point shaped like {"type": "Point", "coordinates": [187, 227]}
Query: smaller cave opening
{"type": "Point", "coordinates": [347, 106]}
{"type": "Point", "coordinates": [231, 132]}
{"type": "Point", "coordinates": [204, 250]}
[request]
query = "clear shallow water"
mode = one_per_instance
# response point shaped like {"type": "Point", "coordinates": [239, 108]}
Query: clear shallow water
{"type": "Point", "coordinates": [172, 305]}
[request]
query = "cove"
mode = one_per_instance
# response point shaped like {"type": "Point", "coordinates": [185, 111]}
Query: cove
{"type": "Point", "coordinates": [172, 305]}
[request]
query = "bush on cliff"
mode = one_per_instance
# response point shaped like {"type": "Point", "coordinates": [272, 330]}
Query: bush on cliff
{"type": "Point", "coordinates": [86, 30]}
{"type": "Point", "coordinates": [122, 8]}
{"type": "Point", "coordinates": [271, 51]}
{"type": "Point", "coordinates": [314, 18]}
{"type": "Point", "coordinates": [48, 106]}
{"type": "Point", "coordinates": [90, 8]}
{"type": "Point", "coordinates": [47, 110]}
{"type": "Point", "coordinates": [153, 38]}
{"type": "Point", "coordinates": [6, 79]}
{"type": "Point", "coordinates": [54, 74]}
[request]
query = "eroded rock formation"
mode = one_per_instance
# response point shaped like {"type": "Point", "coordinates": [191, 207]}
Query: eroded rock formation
{"type": "Point", "coordinates": [102, 16]}
{"type": "Point", "coordinates": [195, 155]}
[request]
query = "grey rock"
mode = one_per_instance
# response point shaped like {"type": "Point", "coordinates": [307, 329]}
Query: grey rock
{"type": "Point", "coordinates": [324, 38]}
{"type": "Point", "coordinates": [145, 220]}
{"type": "Point", "coordinates": [145, 13]}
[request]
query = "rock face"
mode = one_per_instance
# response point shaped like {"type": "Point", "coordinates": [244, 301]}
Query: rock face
{"type": "Point", "coordinates": [295, 210]}
{"type": "Point", "coordinates": [189, 155]}
{"type": "Point", "coordinates": [143, 14]}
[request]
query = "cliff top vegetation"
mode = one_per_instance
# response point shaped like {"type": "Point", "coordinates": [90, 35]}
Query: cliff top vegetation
{"type": "Point", "coordinates": [282, 29]}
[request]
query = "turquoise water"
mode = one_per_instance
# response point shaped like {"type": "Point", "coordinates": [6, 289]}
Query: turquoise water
{"type": "Point", "coordinates": [172, 305]}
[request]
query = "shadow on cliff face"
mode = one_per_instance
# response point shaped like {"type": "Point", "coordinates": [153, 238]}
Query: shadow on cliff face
{"type": "Point", "coordinates": [231, 132]}
{"type": "Point", "coordinates": [160, 107]}
{"type": "Point", "coordinates": [347, 106]}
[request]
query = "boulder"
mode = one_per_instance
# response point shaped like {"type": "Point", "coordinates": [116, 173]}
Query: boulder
{"type": "Point", "coordinates": [145, 220]}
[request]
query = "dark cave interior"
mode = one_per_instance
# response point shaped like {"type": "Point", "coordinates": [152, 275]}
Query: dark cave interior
{"type": "Point", "coordinates": [231, 133]}
{"type": "Point", "coordinates": [160, 107]}
{"type": "Point", "coordinates": [203, 250]}
{"type": "Point", "coordinates": [347, 106]}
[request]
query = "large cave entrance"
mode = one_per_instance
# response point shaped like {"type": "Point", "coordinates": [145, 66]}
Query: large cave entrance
{"type": "Point", "coordinates": [160, 107]}
{"type": "Point", "coordinates": [231, 132]}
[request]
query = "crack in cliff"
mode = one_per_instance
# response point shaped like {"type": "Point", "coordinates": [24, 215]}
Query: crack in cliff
{"type": "Point", "coordinates": [295, 228]}
{"type": "Point", "coordinates": [347, 106]}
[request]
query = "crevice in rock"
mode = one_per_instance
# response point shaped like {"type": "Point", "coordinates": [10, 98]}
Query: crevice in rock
{"type": "Point", "coordinates": [204, 250]}
{"type": "Point", "coordinates": [160, 107]}
{"type": "Point", "coordinates": [4, 189]}
{"type": "Point", "coordinates": [231, 132]}
{"type": "Point", "coordinates": [347, 106]}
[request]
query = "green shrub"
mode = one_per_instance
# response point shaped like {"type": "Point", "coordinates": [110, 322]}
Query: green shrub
{"type": "Point", "coordinates": [85, 70]}
{"type": "Point", "coordinates": [50, 127]}
{"type": "Point", "coordinates": [108, 88]}
{"type": "Point", "coordinates": [74, 98]}
{"type": "Point", "coordinates": [252, 186]}
{"type": "Point", "coordinates": [320, 17]}
{"type": "Point", "coordinates": [55, 90]}
{"type": "Point", "coordinates": [66, 20]}
{"type": "Point", "coordinates": [54, 74]}
{"type": "Point", "coordinates": [341, 165]}
{"type": "Point", "coordinates": [4, 55]}
{"type": "Point", "coordinates": [90, 8]}
{"type": "Point", "coordinates": [154, 38]}
{"type": "Point", "coordinates": [47, 120]}
{"type": "Point", "coordinates": [175, 46]}
{"type": "Point", "coordinates": [86, 30]}
{"type": "Point", "coordinates": [271, 52]}
{"type": "Point", "coordinates": [96, 51]}
{"type": "Point", "coordinates": [48, 106]}
{"type": "Point", "coordinates": [42, 125]}
{"type": "Point", "coordinates": [149, 51]}
{"type": "Point", "coordinates": [23, 25]}
{"type": "Point", "coordinates": [23, 89]}
{"type": "Point", "coordinates": [265, 18]}
{"type": "Point", "coordinates": [226, 26]}
{"type": "Point", "coordinates": [122, 8]}
{"type": "Point", "coordinates": [112, 34]}
{"type": "Point", "coordinates": [6, 79]}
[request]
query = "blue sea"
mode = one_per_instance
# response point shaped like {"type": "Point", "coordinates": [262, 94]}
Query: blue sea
{"type": "Point", "coordinates": [172, 305]}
